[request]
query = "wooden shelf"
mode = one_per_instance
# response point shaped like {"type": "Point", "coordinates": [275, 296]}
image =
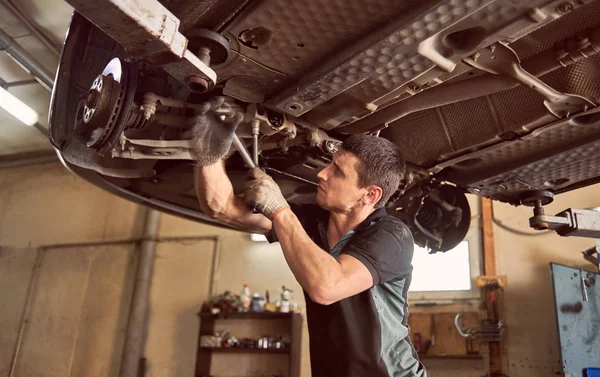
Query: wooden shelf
{"type": "Point", "coordinates": [292, 321]}
{"type": "Point", "coordinates": [248, 315]}
{"type": "Point", "coordinates": [449, 357]}
{"type": "Point", "coordinates": [245, 350]}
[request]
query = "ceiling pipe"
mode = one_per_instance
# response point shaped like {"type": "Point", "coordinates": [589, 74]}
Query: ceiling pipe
{"type": "Point", "coordinates": [32, 26]}
{"type": "Point", "coordinates": [25, 60]}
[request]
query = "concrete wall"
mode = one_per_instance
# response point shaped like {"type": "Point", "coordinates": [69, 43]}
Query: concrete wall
{"type": "Point", "coordinates": [531, 346]}
{"type": "Point", "coordinates": [67, 305]}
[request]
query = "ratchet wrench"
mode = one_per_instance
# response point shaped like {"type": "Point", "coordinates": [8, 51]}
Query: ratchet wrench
{"type": "Point", "coordinates": [247, 159]}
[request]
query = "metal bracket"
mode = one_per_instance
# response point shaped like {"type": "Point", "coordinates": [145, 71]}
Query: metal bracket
{"type": "Point", "coordinates": [147, 30]}
{"type": "Point", "coordinates": [138, 149]}
{"type": "Point", "coordinates": [500, 59]}
{"type": "Point", "coordinates": [570, 223]}
{"type": "Point", "coordinates": [500, 281]}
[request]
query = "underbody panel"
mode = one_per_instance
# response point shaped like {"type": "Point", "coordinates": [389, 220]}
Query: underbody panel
{"type": "Point", "coordinates": [496, 98]}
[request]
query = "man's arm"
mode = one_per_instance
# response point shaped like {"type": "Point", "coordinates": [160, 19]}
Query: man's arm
{"type": "Point", "coordinates": [217, 199]}
{"type": "Point", "coordinates": [324, 278]}
{"type": "Point", "coordinates": [211, 142]}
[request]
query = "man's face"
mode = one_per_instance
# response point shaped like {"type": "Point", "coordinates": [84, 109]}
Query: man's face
{"type": "Point", "coordinates": [338, 189]}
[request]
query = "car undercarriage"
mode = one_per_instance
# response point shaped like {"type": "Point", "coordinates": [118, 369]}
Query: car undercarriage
{"type": "Point", "coordinates": [493, 98]}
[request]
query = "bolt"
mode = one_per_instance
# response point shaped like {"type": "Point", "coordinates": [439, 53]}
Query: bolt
{"type": "Point", "coordinates": [92, 98]}
{"type": "Point", "coordinates": [204, 55]}
{"type": "Point", "coordinates": [331, 146]}
{"type": "Point", "coordinates": [198, 84]}
{"type": "Point", "coordinates": [564, 7]}
{"type": "Point", "coordinates": [538, 209]}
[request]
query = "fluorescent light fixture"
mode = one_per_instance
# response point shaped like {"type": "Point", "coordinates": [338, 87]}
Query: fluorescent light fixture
{"type": "Point", "coordinates": [17, 108]}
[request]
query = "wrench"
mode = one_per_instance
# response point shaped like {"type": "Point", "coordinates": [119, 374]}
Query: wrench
{"type": "Point", "coordinates": [243, 152]}
{"type": "Point", "coordinates": [247, 159]}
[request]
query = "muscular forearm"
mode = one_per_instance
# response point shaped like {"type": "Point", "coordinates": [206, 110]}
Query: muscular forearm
{"type": "Point", "coordinates": [316, 271]}
{"type": "Point", "coordinates": [213, 188]}
{"type": "Point", "coordinates": [217, 199]}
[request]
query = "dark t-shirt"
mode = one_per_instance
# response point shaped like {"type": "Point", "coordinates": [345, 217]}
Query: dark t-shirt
{"type": "Point", "coordinates": [365, 334]}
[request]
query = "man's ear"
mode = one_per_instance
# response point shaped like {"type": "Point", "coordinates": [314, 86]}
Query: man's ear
{"type": "Point", "coordinates": [372, 196]}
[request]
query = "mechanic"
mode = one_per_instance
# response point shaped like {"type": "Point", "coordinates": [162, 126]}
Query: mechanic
{"type": "Point", "coordinates": [351, 258]}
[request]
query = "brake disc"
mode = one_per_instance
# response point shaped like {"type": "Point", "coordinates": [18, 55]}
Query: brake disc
{"type": "Point", "coordinates": [102, 114]}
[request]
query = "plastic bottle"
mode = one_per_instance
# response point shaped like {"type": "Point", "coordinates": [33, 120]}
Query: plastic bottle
{"type": "Point", "coordinates": [285, 300]}
{"type": "Point", "coordinates": [269, 306]}
{"type": "Point", "coordinates": [246, 298]}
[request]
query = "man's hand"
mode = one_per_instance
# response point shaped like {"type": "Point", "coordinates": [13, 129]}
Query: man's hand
{"type": "Point", "coordinates": [262, 192]}
{"type": "Point", "coordinates": [211, 134]}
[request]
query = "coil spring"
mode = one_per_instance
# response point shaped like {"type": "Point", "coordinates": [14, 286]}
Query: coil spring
{"type": "Point", "coordinates": [430, 215]}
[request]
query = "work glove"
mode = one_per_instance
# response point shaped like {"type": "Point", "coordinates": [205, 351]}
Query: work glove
{"type": "Point", "coordinates": [264, 194]}
{"type": "Point", "coordinates": [212, 133]}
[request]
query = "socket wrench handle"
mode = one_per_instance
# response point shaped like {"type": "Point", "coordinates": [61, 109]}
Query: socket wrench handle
{"type": "Point", "coordinates": [243, 151]}
{"type": "Point", "coordinates": [247, 159]}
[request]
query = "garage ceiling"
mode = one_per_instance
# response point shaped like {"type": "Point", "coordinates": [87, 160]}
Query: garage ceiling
{"type": "Point", "coordinates": [29, 22]}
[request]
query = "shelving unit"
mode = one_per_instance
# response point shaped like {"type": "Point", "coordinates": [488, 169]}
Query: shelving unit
{"type": "Point", "coordinates": [242, 350]}
{"type": "Point", "coordinates": [209, 323]}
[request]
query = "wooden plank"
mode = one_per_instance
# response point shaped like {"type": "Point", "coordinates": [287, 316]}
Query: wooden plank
{"type": "Point", "coordinates": [447, 339]}
{"type": "Point", "coordinates": [420, 327]}
{"type": "Point", "coordinates": [296, 345]}
{"type": "Point", "coordinates": [439, 336]}
{"type": "Point", "coordinates": [203, 359]}
{"type": "Point", "coordinates": [489, 254]}
{"type": "Point", "coordinates": [489, 267]}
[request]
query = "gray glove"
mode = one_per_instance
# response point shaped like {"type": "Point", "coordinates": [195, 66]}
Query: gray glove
{"type": "Point", "coordinates": [264, 194]}
{"type": "Point", "coordinates": [211, 134]}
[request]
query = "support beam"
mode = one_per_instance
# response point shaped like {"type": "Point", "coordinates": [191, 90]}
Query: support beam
{"type": "Point", "coordinates": [490, 294]}
{"type": "Point", "coordinates": [489, 252]}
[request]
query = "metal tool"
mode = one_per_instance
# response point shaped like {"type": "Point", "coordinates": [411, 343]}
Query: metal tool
{"type": "Point", "coordinates": [288, 175]}
{"type": "Point", "coordinates": [243, 152]}
{"type": "Point", "coordinates": [583, 290]}
{"type": "Point", "coordinates": [248, 160]}
{"type": "Point", "coordinates": [485, 332]}
{"type": "Point", "coordinates": [255, 131]}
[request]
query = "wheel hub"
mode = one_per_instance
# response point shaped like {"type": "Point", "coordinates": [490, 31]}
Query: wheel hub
{"type": "Point", "coordinates": [98, 115]}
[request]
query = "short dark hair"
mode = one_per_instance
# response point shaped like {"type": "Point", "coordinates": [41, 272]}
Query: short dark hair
{"type": "Point", "coordinates": [380, 163]}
